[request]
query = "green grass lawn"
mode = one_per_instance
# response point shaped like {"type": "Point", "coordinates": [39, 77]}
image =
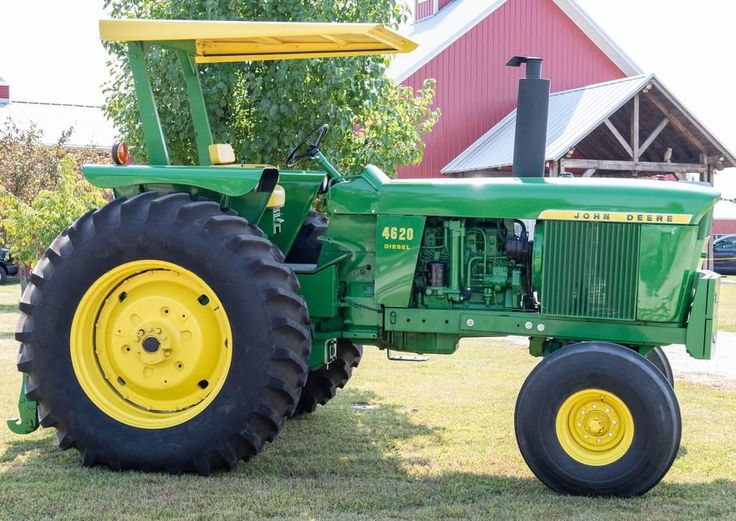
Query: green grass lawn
{"type": "Point", "coordinates": [727, 307]}
{"type": "Point", "coordinates": [435, 442]}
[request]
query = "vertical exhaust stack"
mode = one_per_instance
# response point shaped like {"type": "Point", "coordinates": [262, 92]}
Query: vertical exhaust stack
{"type": "Point", "coordinates": [532, 110]}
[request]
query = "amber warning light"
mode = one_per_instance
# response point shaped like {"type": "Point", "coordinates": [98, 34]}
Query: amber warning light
{"type": "Point", "coordinates": [120, 155]}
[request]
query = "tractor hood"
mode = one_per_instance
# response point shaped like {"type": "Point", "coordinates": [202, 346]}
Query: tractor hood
{"type": "Point", "coordinates": [527, 198]}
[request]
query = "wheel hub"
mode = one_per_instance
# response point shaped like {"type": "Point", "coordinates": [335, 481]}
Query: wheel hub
{"type": "Point", "coordinates": [151, 344]}
{"type": "Point", "coordinates": [594, 427]}
{"type": "Point", "coordinates": [159, 333]}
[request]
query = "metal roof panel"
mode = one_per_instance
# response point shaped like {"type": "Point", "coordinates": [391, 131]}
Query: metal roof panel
{"type": "Point", "coordinates": [573, 114]}
{"type": "Point", "coordinates": [90, 127]}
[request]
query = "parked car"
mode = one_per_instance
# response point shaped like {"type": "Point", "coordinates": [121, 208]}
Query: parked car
{"type": "Point", "coordinates": [724, 255]}
{"type": "Point", "coordinates": [7, 266]}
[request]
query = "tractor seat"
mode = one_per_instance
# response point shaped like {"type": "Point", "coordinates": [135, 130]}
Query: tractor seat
{"type": "Point", "coordinates": [224, 155]}
{"type": "Point", "coordinates": [221, 154]}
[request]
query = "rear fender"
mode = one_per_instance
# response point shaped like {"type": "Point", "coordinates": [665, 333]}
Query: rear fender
{"type": "Point", "coordinates": [245, 190]}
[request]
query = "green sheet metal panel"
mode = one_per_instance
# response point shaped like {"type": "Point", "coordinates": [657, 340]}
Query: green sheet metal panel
{"type": "Point", "coordinates": [301, 189]}
{"type": "Point", "coordinates": [702, 328]}
{"type": "Point", "coordinates": [667, 266]}
{"type": "Point", "coordinates": [514, 198]}
{"type": "Point", "coordinates": [590, 269]}
{"type": "Point", "coordinates": [320, 291]}
{"type": "Point", "coordinates": [398, 240]}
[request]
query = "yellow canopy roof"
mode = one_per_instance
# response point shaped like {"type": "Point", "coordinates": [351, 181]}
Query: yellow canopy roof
{"type": "Point", "coordinates": [226, 41]}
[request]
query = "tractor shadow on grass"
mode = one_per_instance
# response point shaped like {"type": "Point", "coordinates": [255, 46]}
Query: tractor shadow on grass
{"type": "Point", "coordinates": [38, 445]}
{"type": "Point", "coordinates": [8, 308]}
{"type": "Point", "coordinates": [348, 460]}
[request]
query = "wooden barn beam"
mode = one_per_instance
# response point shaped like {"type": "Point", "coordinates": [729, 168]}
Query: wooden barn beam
{"type": "Point", "coordinates": [635, 130]}
{"type": "Point", "coordinates": [554, 169]}
{"type": "Point", "coordinates": [634, 166]}
{"type": "Point", "coordinates": [679, 125]}
{"type": "Point", "coordinates": [619, 137]}
{"type": "Point", "coordinates": [654, 135]}
{"type": "Point", "coordinates": [590, 172]}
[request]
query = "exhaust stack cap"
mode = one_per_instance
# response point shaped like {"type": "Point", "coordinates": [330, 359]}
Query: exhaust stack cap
{"type": "Point", "coordinates": [532, 110]}
{"type": "Point", "coordinates": [533, 65]}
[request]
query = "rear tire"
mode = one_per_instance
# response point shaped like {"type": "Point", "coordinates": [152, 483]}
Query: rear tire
{"type": "Point", "coordinates": [3, 276]}
{"type": "Point", "coordinates": [322, 383]}
{"type": "Point", "coordinates": [266, 320]}
{"type": "Point", "coordinates": [595, 418]}
{"type": "Point", "coordinates": [661, 362]}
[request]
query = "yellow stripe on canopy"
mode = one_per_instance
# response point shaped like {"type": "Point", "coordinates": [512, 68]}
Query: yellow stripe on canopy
{"type": "Point", "coordinates": [231, 41]}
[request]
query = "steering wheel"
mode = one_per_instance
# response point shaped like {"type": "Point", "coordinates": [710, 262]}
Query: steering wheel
{"type": "Point", "coordinates": [310, 147]}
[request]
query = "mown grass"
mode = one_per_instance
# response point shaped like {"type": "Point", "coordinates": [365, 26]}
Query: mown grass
{"type": "Point", "coordinates": [727, 307]}
{"type": "Point", "coordinates": [436, 441]}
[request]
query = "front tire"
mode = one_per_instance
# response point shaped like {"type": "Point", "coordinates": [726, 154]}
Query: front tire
{"type": "Point", "coordinates": [658, 357]}
{"type": "Point", "coordinates": [160, 334]}
{"type": "Point", "coordinates": [595, 418]}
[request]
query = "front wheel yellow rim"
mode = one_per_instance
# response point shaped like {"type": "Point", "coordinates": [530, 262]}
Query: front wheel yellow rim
{"type": "Point", "coordinates": [595, 427]}
{"type": "Point", "coordinates": [151, 344]}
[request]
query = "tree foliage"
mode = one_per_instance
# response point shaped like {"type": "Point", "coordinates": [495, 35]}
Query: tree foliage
{"type": "Point", "coordinates": [26, 166]}
{"type": "Point", "coordinates": [31, 227]}
{"type": "Point", "coordinates": [42, 190]}
{"type": "Point", "coordinates": [262, 108]}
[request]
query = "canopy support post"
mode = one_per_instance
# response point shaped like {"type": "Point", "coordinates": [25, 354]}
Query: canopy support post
{"type": "Point", "coordinates": [200, 120]}
{"type": "Point", "coordinates": [152, 131]}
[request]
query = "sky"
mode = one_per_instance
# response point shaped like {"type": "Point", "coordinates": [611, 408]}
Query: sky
{"type": "Point", "coordinates": [50, 51]}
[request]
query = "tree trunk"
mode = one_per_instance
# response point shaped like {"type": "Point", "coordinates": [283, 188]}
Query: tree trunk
{"type": "Point", "coordinates": [24, 272]}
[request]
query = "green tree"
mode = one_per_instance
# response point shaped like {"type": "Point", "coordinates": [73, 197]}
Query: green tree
{"type": "Point", "coordinates": [262, 108]}
{"type": "Point", "coordinates": [27, 166]}
{"type": "Point", "coordinates": [42, 190]}
{"type": "Point", "coordinates": [31, 227]}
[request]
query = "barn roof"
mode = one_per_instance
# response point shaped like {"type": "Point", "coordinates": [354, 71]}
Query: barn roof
{"type": "Point", "coordinates": [575, 114]}
{"type": "Point", "coordinates": [438, 32]}
{"type": "Point", "coordinates": [89, 125]}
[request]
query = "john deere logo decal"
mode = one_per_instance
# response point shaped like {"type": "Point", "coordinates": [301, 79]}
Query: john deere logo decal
{"type": "Point", "coordinates": [616, 217]}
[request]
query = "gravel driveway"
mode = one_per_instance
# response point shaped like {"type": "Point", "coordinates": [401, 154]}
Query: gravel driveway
{"type": "Point", "coordinates": [720, 371]}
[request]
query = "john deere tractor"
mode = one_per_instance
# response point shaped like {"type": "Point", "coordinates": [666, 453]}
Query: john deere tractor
{"type": "Point", "coordinates": [178, 328]}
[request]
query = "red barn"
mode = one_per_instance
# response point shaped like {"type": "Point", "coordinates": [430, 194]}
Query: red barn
{"type": "Point", "coordinates": [464, 45]}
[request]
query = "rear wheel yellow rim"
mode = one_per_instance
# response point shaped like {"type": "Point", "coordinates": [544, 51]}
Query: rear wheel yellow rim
{"type": "Point", "coordinates": [151, 344]}
{"type": "Point", "coordinates": [595, 427]}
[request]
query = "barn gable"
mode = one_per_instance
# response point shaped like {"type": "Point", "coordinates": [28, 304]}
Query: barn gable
{"type": "Point", "coordinates": [465, 47]}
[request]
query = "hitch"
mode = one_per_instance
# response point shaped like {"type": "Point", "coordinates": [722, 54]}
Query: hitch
{"type": "Point", "coordinates": [405, 358]}
{"type": "Point", "coordinates": [28, 412]}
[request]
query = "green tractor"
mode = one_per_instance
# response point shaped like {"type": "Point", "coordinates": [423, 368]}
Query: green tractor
{"type": "Point", "coordinates": [177, 328]}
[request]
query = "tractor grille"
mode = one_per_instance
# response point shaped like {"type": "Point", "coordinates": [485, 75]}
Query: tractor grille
{"type": "Point", "coordinates": [590, 269]}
